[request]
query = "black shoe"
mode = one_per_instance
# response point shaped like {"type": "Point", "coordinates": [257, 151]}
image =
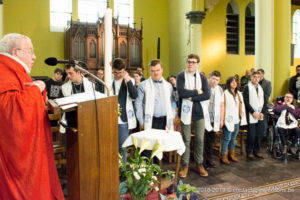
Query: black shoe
{"type": "Point", "coordinates": [210, 164]}
{"type": "Point", "coordinates": [293, 150]}
{"type": "Point", "coordinates": [259, 155]}
{"type": "Point", "coordinates": [250, 157]}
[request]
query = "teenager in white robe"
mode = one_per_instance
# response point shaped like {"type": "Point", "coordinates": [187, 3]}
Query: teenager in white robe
{"type": "Point", "coordinates": [234, 116]}
{"type": "Point", "coordinates": [215, 108]}
{"type": "Point", "coordinates": [254, 102]}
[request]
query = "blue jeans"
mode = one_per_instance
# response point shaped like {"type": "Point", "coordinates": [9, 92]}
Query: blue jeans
{"type": "Point", "coordinates": [123, 134]}
{"type": "Point", "coordinates": [229, 138]}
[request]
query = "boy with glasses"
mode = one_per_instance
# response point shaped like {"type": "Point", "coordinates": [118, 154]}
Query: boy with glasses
{"type": "Point", "coordinates": [288, 121]}
{"type": "Point", "coordinates": [192, 90]}
{"type": "Point", "coordinates": [124, 88]}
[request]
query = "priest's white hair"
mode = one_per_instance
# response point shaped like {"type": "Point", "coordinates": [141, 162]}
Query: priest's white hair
{"type": "Point", "coordinates": [10, 41]}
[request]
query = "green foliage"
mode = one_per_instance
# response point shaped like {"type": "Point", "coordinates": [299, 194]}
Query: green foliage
{"type": "Point", "coordinates": [187, 188]}
{"type": "Point", "coordinates": [168, 175]}
{"type": "Point", "coordinates": [140, 173]}
{"type": "Point", "coordinates": [119, 110]}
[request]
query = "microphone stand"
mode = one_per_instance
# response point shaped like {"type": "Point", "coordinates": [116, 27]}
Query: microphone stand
{"type": "Point", "coordinates": [92, 75]}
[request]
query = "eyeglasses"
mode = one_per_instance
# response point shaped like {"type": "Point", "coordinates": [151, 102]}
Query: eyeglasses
{"type": "Point", "coordinates": [118, 73]}
{"type": "Point", "coordinates": [191, 62]}
{"type": "Point", "coordinates": [29, 51]}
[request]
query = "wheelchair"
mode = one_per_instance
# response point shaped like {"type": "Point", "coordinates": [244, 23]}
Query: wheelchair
{"type": "Point", "coordinates": [274, 143]}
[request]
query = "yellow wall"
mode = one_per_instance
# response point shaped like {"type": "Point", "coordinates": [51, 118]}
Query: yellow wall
{"type": "Point", "coordinates": [1, 20]}
{"type": "Point", "coordinates": [162, 18]}
{"type": "Point", "coordinates": [214, 56]}
{"type": "Point", "coordinates": [155, 14]}
{"type": "Point", "coordinates": [282, 39]}
{"type": "Point", "coordinates": [32, 18]}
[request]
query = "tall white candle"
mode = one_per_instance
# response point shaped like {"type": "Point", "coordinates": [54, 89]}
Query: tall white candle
{"type": "Point", "coordinates": [108, 47]}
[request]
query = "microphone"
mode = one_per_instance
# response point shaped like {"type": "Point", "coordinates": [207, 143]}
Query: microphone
{"type": "Point", "coordinates": [53, 61]}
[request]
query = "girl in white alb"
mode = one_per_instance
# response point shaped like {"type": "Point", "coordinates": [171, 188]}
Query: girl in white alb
{"type": "Point", "coordinates": [234, 115]}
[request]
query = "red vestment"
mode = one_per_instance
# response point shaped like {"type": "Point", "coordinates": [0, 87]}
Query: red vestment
{"type": "Point", "coordinates": [27, 167]}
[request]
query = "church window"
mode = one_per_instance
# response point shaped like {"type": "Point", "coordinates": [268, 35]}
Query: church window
{"type": "Point", "coordinates": [296, 33]}
{"type": "Point", "coordinates": [91, 10]}
{"type": "Point", "coordinates": [250, 30]}
{"type": "Point", "coordinates": [123, 10]}
{"type": "Point", "coordinates": [232, 28]}
{"type": "Point", "coordinates": [60, 14]}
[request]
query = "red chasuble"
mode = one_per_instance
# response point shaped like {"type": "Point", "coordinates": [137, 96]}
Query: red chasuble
{"type": "Point", "coordinates": [27, 167]}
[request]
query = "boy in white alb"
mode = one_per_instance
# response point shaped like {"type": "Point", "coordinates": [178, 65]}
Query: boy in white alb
{"type": "Point", "coordinates": [216, 114]}
{"type": "Point", "coordinates": [254, 103]}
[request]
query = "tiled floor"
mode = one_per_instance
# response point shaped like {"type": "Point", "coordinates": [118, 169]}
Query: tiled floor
{"type": "Point", "coordinates": [245, 175]}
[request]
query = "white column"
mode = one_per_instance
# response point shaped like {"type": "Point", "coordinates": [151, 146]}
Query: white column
{"type": "Point", "coordinates": [178, 34]}
{"type": "Point", "coordinates": [264, 37]}
{"type": "Point", "coordinates": [196, 38]}
{"type": "Point", "coordinates": [196, 18]}
{"type": "Point", "coordinates": [108, 48]}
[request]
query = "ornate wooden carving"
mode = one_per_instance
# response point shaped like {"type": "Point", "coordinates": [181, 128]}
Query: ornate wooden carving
{"type": "Point", "coordinates": [85, 42]}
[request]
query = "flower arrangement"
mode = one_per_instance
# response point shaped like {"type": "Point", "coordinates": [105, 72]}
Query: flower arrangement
{"type": "Point", "coordinates": [139, 172]}
{"type": "Point", "coordinates": [184, 192]}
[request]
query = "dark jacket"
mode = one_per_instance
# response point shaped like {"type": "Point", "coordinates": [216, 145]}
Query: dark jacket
{"type": "Point", "coordinates": [267, 88]}
{"type": "Point", "coordinates": [249, 108]}
{"type": "Point", "coordinates": [292, 86]}
{"type": "Point", "coordinates": [197, 112]}
{"type": "Point", "coordinates": [123, 96]}
{"type": "Point", "coordinates": [244, 81]}
{"type": "Point", "coordinates": [99, 86]}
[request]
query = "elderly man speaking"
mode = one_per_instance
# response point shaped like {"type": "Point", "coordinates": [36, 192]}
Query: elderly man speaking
{"type": "Point", "coordinates": [27, 167]}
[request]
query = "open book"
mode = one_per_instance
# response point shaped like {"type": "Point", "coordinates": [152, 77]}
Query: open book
{"type": "Point", "coordinates": [73, 100]}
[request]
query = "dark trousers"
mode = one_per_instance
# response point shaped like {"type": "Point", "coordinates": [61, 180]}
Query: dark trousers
{"type": "Point", "coordinates": [265, 125]}
{"type": "Point", "coordinates": [157, 123]}
{"type": "Point", "coordinates": [209, 138]}
{"type": "Point", "coordinates": [254, 136]}
{"type": "Point", "coordinates": [284, 132]}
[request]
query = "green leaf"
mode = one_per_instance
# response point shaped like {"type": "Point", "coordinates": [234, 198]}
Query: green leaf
{"type": "Point", "coordinates": [122, 188]}
{"type": "Point", "coordinates": [163, 197]}
{"type": "Point", "coordinates": [129, 179]}
{"type": "Point", "coordinates": [136, 154]}
{"type": "Point", "coordinates": [156, 168]}
{"type": "Point", "coordinates": [188, 196]}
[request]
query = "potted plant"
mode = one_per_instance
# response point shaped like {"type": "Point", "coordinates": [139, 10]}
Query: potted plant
{"type": "Point", "coordinates": [139, 172]}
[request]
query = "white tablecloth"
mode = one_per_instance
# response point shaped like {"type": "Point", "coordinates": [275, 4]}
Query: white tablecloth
{"type": "Point", "coordinates": [171, 141]}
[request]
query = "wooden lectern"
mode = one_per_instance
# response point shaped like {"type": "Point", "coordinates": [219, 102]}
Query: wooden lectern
{"type": "Point", "coordinates": [92, 156]}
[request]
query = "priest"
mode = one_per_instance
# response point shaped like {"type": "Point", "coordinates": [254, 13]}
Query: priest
{"type": "Point", "coordinates": [27, 167]}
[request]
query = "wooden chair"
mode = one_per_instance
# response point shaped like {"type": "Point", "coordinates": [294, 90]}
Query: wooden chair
{"type": "Point", "coordinates": [240, 140]}
{"type": "Point", "coordinates": [218, 142]}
